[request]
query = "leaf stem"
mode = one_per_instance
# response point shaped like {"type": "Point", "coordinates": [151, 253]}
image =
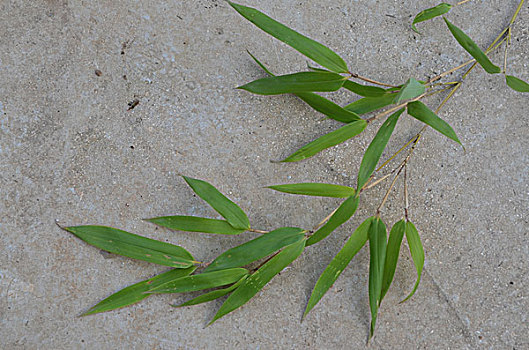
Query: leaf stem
{"type": "Point", "coordinates": [462, 2]}
{"type": "Point", "coordinates": [257, 231]}
{"type": "Point", "coordinates": [393, 109]}
{"type": "Point", "coordinates": [354, 75]}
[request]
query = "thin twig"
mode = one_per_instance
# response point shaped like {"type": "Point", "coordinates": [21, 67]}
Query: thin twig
{"type": "Point", "coordinates": [257, 231]}
{"type": "Point", "coordinates": [321, 223]}
{"type": "Point", "coordinates": [405, 192]}
{"type": "Point", "coordinates": [393, 109]}
{"type": "Point", "coordinates": [462, 2]}
{"type": "Point", "coordinates": [354, 75]}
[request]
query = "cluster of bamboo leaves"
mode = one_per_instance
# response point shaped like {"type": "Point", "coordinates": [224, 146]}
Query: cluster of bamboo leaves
{"type": "Point", "coordinates": [230, 274]}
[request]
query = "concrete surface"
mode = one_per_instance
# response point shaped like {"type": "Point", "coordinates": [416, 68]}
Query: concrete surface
{"type": "Point", "coordinates": [71, 151]}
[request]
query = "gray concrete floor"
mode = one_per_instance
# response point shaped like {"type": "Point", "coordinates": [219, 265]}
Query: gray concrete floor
{"type": "Point", "coordinates": [70, 150]}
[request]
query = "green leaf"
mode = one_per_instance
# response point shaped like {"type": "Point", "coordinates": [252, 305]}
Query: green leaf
{"type": "Point", "coordinates": [517, 84]}
{"type": "Point", "coordinates": [421, 112]}
{"type": "Point", "coordinates": [342, 214]}
{"type": "Point", "coordinates": [331, 139]}
{"type": "Point", "coordinates": [377, 251]}
{"type": "Point", "coordinates": [263, 67]}
{"type": "Point", "coordinates": [353, 245]}
{"type": "Point", "coordinates": [374, 151]}
{"type": "Point", "coordinates": [430, 13]}
{"type": "Point", "coordinates": [417, 253]}
{"type": "Point", "coordinates": [316, 189]}
{"type": "Point", "coordinates": [308, 47]}
{"type": "Point", "coordinates": [255, 282]}
{"type": "Point", "coordinates": [392, 255]}
{"type": "Point", "coordinates": [195, 224]}
{"type": "Point", "coordinates": [370, 104]}
{"type": "Point", "coordinates": [225, 207]}
{"type": "Point", "coordinates": [133, 246]}
{"type": "Point", "coordinates": [411, 89]}
{"type": "Point", "coordinates": [364, 90]}
{"type": "Point", "coordinates": [296, 82]}
{"type": "Point", "coordinates": [136, 292]}
{"type": "Point", "coordinates": [201, 281]}
{"type": "Point", "coordinates": [256, 249]}
{"type": "Point", "coordinates": [473, 49]}
{"type": "Point", "coordinates": [214, 294]}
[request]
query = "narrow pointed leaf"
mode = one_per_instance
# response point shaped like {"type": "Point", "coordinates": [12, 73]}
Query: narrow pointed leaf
{"type": "Point", "coordinates": [376, 147]}
{"type": "Point", "coordinates": [331, 139]}
{"type": "Point", "coordinates": [430, 13]}
{"type": "Point", "coordinates": [473, 49]}
{"type": "Point", "coordinates": [331, 273]}
{"type": "Point", "coordinates": [195, 224]}
{"type": "Point", "coordinates": [316, 189]}
{"type": "Point", "coordinates": [256, 249]}
{"type": "Point", "coordinates": [210, 296]}
{"type": "Point", "coordinates": [421, 112]}
{"type": "Point", "coordinates": [136, 292]}
{"type": "Point", "coordinates": [133, 246]}
{"type": "Point", "coordinates": [296, 82]}
{"type": "Point", "coordinates": [201, 281]}
{"type": "Point", "coordinates": [517, 84]}
{"type": "Point", "coordinates": [225, 207]}
{"type": "Point", "coordinates": [417, 253]}
{"type": "Point", "coordinates": [364, 90]}
{"type": "Point", "coordinates": [263, 67]}
{"type": "Point", "coordinates": [411, 89]}
{"type": "Point", "coordinates": [255, 282]}
{"type": "Point", "coordinates": [342, 214]}
{"type": "Point", "coordinates": [392, 255]}
{"type": "Point", "coordinates": [308, 47]}
{"type": "Point", "coordinates": [370, 104]}
{"type": "Point", "coordinates": [377, 251]}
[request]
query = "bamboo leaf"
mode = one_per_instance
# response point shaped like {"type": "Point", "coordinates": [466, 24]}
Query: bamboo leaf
{"type": "Point", "coordinates": [430, 13]}
{"type": "Point", "coordinates": [516, 84]}
{"type": "Point", "coordinates": [392, 255]}
{"type": "Point", "coordinates": [421, 112]}
{"type": "Point", "coordinates": [133, 246]}
{"type": "Point", "coordinates": [376, 147]}
{"type": "Point", "coordinates": [201, 281]}
{"type": "Point", "coordinates": [195, 224]}
{"type": "Point", "coordinates": [308, 47]}
{"type": "Point", "coordinates": [256, 249]}
{"type": "Point", "coordinates": [136, 292]}
{"type": "Point", "coordinates": [225, 207]}
{"type": "Point", "coordinates": [411, 89]}
{"type": "Point", "coordinates": [295, 83]}
{"type": "Point", "coordinates": [331, 139]}
{"type": "Point", "coordinates": [353, 245]}
{"type": "Point", "coordinates": [214, 294]}
{"type": "Point", "coordinates": [377, 251]}
{"type": "Point", "coordinates": [255, 282]}
{"type": "Point", "coordinates": [364, 90]}
{"type": "Point", "coordinates": [473, 49]}
{"type": "Point", "coordinates": [316, 189]}
{"type": "Point", "coordinates": [370, 104]}
{"type": "Point", "coordinates": [342, 214]}
{"type": "Point", "coordinates": [417, 253]}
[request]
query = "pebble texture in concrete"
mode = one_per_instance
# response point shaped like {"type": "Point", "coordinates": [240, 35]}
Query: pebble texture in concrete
{"type": "Point", "coordinates": [70, 149]}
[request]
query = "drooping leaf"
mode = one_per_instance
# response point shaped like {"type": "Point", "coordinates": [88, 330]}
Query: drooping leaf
{"type": "Point", "coordinates": [417, 253]}
{"type": "Point", "coordinates": [136, 292]}
{"type": "Point", "coordinates": [195, 224]}
{"type": "Point", "coordinates": [316, 189]}
{"type": "Point", "coordinates": [430, 13]}
{"type": "Point", "coordinates": [295, 83]}
{"type": "Point", "coordinates": [473, 49]}
{"type": "Point", "coordinates": [225, 207]}
{"type": "Point", "coordinates": [342, 214]}
{"type": "Point", "coordinates": [377, 251]}
{"type": "Point", "coordinates": [392, 255]}
{"type": "Point", "coordinates": [374, 151]}
{"type": "Point", "coordinates": [133, 246]}
{"type": "Point", "coordinates": [214, 294]}
{"type": "Point", "coordinates": [263, 67]}
{"type": "Point", "coordinates": [255, 282]}
{"type": "Point", "coordinates": [411, 89]}
{"type": "Point", "coordinates": [331, 273]}
{"type": "Point", "coordinates": [516, 84]}
{"type": "Point", "coordinates": [256, 249]}
{"type": "Point", "coordinates": [370, 104]}
{"type": "Point", "coordinates": [421, 112]}
{"type": "Point", "coordinates": [308, 47]}
{"type": "Point", "coordinates": [201, 281]}
{"type": "Point", "coordinates": [364, 90]}
{"type": "Point", "coordinates": [331, 139]}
